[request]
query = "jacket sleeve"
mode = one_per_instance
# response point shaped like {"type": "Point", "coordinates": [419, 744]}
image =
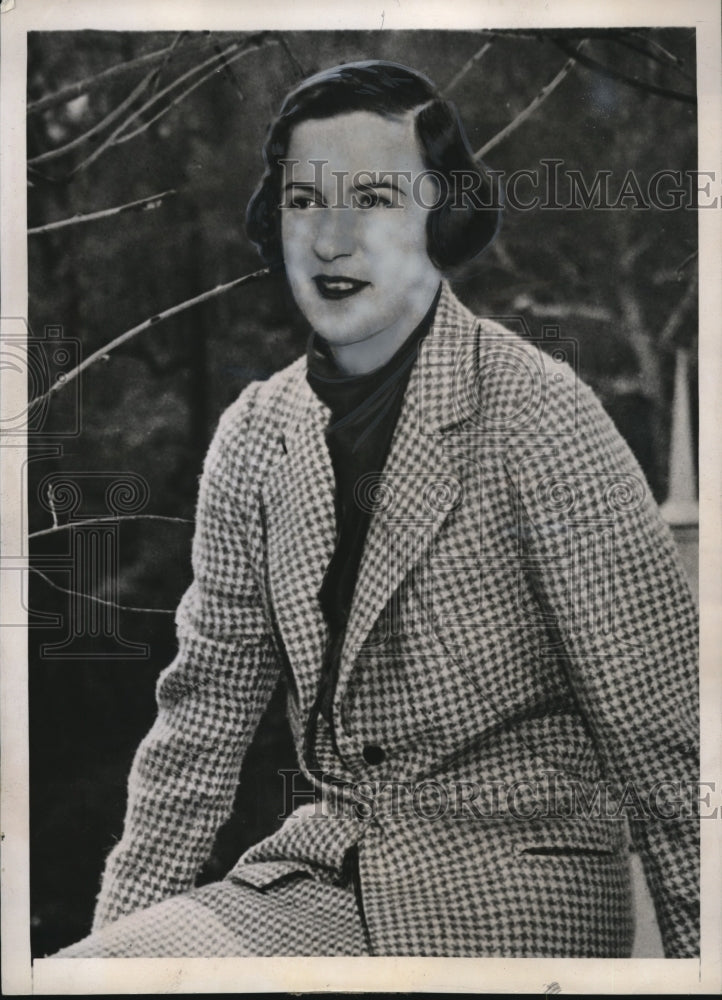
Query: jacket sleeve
{"type": "Point", "coordinates": [608, 574]}
{"type": "Point", "coordinates": [210, 698]}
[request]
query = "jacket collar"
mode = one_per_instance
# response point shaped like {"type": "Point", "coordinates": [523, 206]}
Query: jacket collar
{"type": "Point", "coordinates": [445, 360]}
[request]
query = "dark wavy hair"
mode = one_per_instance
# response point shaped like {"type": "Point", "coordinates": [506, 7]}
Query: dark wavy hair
{"type": "Point", "coordinates": [459, 227]}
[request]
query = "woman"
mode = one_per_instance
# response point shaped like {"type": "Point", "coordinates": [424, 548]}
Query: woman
{"type": "Point", "coordinates": [435, 533]}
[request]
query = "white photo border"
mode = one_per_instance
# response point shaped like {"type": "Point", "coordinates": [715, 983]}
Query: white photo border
{"type": "Point", "coordinates": [85, 976]}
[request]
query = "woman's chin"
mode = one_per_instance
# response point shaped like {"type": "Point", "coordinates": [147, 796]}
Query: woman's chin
{"type": "Point", "coordinates": [341, 329]}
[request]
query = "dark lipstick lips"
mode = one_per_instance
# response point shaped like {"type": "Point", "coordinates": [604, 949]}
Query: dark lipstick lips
{"type": "Point", "coordinates": [338, 288]}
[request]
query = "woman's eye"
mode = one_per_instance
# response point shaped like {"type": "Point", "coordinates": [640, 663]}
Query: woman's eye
{"type": "Point", "coordinates": [371, 199]}
{"type": "Point", "coordinates": [303, 201]}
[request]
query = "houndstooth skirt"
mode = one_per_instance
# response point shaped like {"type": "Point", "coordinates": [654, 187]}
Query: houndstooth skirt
{"type": "Point", "coordinates": [298, 916]}
{"type": "Point", "coordinates": [527, 912]}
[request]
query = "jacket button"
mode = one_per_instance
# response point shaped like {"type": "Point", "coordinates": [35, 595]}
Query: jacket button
{"type": "Point", "coordinates": [373, 754]}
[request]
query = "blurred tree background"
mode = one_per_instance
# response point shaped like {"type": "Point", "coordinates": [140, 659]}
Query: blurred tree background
{"type": "Point", "coordinates": [114, 118]}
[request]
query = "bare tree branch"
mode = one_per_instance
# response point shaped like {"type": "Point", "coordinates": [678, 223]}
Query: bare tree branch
{"type": "Point", "coordinates": [51, 504]}
{"type": "Point", "coordinates": [615, 74]}
{"type": "Point", "coordinates": [215, 59]}
{"type": "Point", "coordinates": [230, 75]}
{"type": "Point", "coordinates": [112, 116]}
{"type": "Point", "coordinates": [676, 317]}
{"type": "Point", "coordinates": [687, 260]}
{"type": "Point", "coordinates": [562, 310]}
{"type": "Point", "coordinates": [108, 519]}
{"type": "Point", "coordinates": [636, 42]}
{"type": "Point", "coordinates": [147, 204]}
{"type": "Point", "coordinates": [98, 600]}
{"type": "Point", "coordinates": [633, 251]}
{"type": "Point", "coordinates": [180, 37]}
{"type": "Point", "coordinates": [468, 65]}
{"type": "Point", "coordinates": [125, 136]}
{"type": "Point", "coordinates": [529, 110]}
{"type": "Point", "coordinates": [73, 90]}
{"type": "Point", "coordinates": [53, 154]}
{"type": "Point", "coordinates": [670, 57]}
{"type": "Point", "coordinates": [298, 68]}
{"type": "Point", "coordinates": [661, 60]}
{"type": "Point", "coordinates": [104, 351]}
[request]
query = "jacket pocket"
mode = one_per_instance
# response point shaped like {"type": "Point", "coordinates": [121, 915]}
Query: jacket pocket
{"type": "Point", "coordinates": [569, 852]}
{"type": "Point", "coordinates": [262, 874]}
{"type": "Point", "coordinates": [575, 839]}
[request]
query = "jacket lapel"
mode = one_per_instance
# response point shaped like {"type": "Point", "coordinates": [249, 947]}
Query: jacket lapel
{"type": "Point", "coordinates": [298, 501]}
{"type": "Point", "coordinates": [419, 485]}
{"type": "Point", "coordinates": [410, 502]}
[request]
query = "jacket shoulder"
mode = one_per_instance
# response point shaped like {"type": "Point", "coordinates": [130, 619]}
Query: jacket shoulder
{"type": "Point", "coordinates": [264, 405]}
{"type": "Point", "coordinates": [513, 385]}
{"type": "Point", "coordinates": [241, 441]}
{"type": "Point", "coordinates": [527, 391]}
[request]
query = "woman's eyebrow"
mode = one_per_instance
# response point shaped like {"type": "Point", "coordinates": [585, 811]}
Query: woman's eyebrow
{"type": "Point", "coordinates": [383, 184]}
{"type": "Point", "coordinates": [301, 186]}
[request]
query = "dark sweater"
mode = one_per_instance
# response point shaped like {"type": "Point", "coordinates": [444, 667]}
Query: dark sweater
{"type": "Point", "coordinates": [364, 412]}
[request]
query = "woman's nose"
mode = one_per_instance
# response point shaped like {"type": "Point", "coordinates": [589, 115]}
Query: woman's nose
{"type": "Point", "coordinates": [334, 233]}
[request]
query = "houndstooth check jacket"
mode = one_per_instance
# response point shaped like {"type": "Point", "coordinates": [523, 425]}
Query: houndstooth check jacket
{"type": "Point", "coordinates": [520, 659]}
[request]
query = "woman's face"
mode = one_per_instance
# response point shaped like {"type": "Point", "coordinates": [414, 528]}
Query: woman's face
{"type": "Point", "coordinates": [353, 224]}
